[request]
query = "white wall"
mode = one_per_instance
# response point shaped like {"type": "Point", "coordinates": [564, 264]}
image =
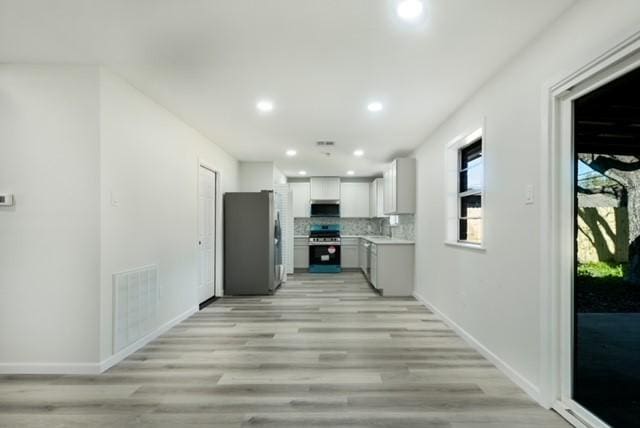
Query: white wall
{"type": "Point", "coordinates": [49, 253]}
{"type": "Point", "coordinates": [149, 159]}
{"type": "Point", "coordinates": [278, 176]}
{"type": "Point", "coordinates": [70, 138]}
{"type": "Point", "coordinates": [257, 176]}
{"type": "Point", "coordinates": [494, 296]}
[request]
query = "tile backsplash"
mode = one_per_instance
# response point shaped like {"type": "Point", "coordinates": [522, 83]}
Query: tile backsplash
{"type": "Point", "coordinates": [348, 226]}
{"type": "Point", "coordinates": [361, 226]}
{"type": "Point", "coordinates": [405, 229]}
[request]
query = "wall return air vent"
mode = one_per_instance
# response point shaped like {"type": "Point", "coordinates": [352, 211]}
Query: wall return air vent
{"type": "Point", "coordinates": [135, 305]}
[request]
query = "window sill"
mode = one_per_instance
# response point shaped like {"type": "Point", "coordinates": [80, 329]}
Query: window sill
{"type": "Point", "coordinates": [477, 247]}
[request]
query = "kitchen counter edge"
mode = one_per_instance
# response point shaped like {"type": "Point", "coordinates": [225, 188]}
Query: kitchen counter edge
{"type": "Point", "coordinates": [373, 239]}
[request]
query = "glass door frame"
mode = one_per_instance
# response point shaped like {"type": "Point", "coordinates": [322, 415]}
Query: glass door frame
{"type": "Point", "coordinates": [558, 227]}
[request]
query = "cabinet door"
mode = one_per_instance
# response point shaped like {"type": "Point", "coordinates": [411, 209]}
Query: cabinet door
{"type": "Point", "coordinates": [405, 185]}
{"type": "Point", "coordinates": [373, 199]}
{"type": "Point", "coordinates": [325, 188]}
{"type": "Point", "coordinates": [394, 186]}
{"type": "Point", "coordinates": [376, 198]}
{"type": "Point", "coordinates": [379, 208]}
{"type": "Point", "coordinates": [301, 198]}
{"type": "Point", "coordinates": [332, 189]}
{"type": "Point", "coordinates": [316, 190]}
{"type": "Point", "coordinates": [349, 255]}
{"type": "Point", "coordinates": [388, 192]}
{"type": "Point", "coordinates": [354, 201]}
{"type": "Point", "coordinates": [399, 187]}
{"type": "Point", "coordinates": [364, 257]}
{"type": "Point", "coordinates": [374, 270]}
{"type": "Point", "coordinates": [301, 257]}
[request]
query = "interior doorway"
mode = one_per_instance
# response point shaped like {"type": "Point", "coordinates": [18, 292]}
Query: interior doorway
{"type": "Point", "coordinates": [207, 213]}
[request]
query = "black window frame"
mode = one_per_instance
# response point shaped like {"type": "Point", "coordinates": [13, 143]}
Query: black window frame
{"type": "Point", "coordinates": [466, 154]}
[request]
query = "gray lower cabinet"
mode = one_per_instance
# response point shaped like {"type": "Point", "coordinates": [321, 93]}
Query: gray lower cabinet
{"type": "Point", "coordinates": [363, 256]}
{"type": "Point", "coordinates": [300, 253]}
{"type": "Point", "coordinates": [349, 253]}
{"type": "Point", "coordinates": [349, 256]}
{"type": "Point", "coordinates": [373, 266]}
{"type": "Point", "coordinates": [388, 267]}
{"type": "Point", "coordinates": [392, 268]}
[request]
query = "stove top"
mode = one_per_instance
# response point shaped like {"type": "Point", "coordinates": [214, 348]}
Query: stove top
{"type": "Point", "coordinates": [324, 234]}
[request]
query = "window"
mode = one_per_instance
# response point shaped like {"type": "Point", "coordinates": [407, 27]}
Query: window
{"type": "Point", "coordinates": [465, 186]}
{"type": "Point", "coordinates": [470, 174]}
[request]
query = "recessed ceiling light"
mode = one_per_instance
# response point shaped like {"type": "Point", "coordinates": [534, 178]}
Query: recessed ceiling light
{"type": "Point", "coordinates": [358, 152]}
{"type": "Point", "coordinates": [303, 172]}
{"type": "Point", "coordinates": [350, 172]}
{"type": "Point", "coordinates": [374, 106]}
{"type": "Point", "coordinates": [410, 10]}
{"type": "Point", "coordinates": [291, 152]}
{"type": "Point", "coordinates": [265, 106]}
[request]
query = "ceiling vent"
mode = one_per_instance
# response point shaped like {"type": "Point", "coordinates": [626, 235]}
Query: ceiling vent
{"type": "Point", "coordinates": [325, 147]}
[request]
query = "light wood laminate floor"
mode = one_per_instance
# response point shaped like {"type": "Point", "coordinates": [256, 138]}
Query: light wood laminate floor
{"type": "Point", "coordinates": [325, 351]}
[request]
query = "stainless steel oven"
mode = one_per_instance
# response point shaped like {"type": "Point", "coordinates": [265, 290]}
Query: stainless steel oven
{"type": "Point", "coordinates": [324, 249]}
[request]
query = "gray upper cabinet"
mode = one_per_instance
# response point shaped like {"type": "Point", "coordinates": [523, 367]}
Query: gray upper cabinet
{"type": "Point", "coordinates": [376, 198]}
{"type": "Point", "coordinates": [325, 188]}
{"type": "Point", "coordinates": [400, 187]}
{"type": "Point", "coordinates": [301, 196]}
{"type": "Point", "coordinates": [354, 199]}
{"type": "Point", "coordinates": [357, 198]}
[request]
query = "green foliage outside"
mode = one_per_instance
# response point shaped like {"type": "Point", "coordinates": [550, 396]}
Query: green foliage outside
{"type": "Point", "coordinates": [602, 269]}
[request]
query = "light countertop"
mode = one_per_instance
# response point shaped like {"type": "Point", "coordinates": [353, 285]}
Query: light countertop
{"type": "Point", "coordinates": [381, 240]}
{"type": "Point", "coordinates": [378, 240]}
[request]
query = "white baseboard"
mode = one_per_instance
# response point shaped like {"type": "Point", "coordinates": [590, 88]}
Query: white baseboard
{"type": "Point", "coordinates": [111, 361]}
{"type": "Point", "coordinates": [93, 368]}
{"type": "Point", "coordinates": [528, 387]}
{"type": "Point", "coordinates": [50, 368]}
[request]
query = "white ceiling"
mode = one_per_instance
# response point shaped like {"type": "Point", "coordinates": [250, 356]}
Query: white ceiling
{"type": "Point", "coordinates": [320, 61]}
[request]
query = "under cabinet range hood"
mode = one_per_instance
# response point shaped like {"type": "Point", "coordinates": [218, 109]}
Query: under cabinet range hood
{"type": "Point", "coordinates": [325, 209]}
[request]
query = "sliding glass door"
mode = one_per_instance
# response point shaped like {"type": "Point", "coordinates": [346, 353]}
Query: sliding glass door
{"type": "Point", "coordinates": [606, 292]}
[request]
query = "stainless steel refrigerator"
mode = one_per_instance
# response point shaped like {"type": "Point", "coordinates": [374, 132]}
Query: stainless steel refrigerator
{"type": "Point", "coordinates": [252, 244]}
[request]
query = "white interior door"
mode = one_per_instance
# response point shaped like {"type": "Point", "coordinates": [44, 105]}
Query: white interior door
{"type": "Point", "coordinates": [206, 234]}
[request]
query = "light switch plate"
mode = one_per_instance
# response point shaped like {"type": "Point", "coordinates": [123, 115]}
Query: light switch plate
{"type": "Point", "coordinates": [6, 200]}
{"type": "Point", "coordinates": [114, 199]}
{"type": "Point", "coordinates": [528, 195]}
